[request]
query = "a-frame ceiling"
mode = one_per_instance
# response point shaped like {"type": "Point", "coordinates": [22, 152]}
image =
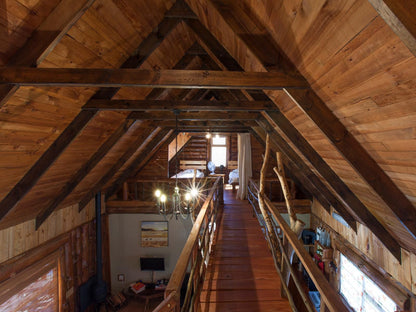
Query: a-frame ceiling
{"type": "Point", "coordinates": [330, 81]}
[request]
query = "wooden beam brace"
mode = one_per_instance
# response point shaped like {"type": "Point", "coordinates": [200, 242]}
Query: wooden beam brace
{"type": "Point", "coordinates": [357, 156]}
{"type": "Point", "coordinates": [83, 172]}
{"type": "Point", "coordinates": [147, 132]}
{"type": "Point", "coordinates": [166, 115]}
{"type": "Point", "coordinates": [400, 15]}
{"type": "Point", "coordinates": [164, 78]}
{"type": "Point", "coordinates": [45, 161]}
{"type": "Point", "coordinates": [148, 151]}
{"type": "Point", "coordinates": [345, 194]}
{"type": "Point", "coordinates": [170, 105]}
{"type": "Point", "coordinates": [45, 38]}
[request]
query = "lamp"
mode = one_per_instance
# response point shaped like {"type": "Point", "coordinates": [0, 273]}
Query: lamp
{"type": "Point", "coordinates": [184, 207]}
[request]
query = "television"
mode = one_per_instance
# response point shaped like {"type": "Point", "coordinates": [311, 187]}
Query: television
{"type": "Point", "coordinates": [152, 264]}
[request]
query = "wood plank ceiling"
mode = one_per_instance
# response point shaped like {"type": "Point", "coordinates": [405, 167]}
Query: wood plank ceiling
{"type": "Point", "coordinates": [87, 90]}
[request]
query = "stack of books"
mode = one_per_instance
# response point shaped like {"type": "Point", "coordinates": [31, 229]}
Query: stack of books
{"type": "Point", "coordinates": [137, 287]}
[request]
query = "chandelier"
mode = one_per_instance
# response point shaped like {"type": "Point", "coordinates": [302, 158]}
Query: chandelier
{"type": "Point", "coordinates": [177, 205]}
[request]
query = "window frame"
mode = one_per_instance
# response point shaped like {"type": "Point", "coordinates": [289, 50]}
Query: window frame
{"type": "Point", "coordinates": [29, 273]}
{"type": "Point", "coordinates": [226, 145]}
{"type": "Point", "coordinates": [364, 291]}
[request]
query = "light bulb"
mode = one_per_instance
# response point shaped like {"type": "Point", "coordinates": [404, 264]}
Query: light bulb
{"type": "Point", "coordinates": [194, 192]}
{"type": "Point", "coordinates": [158, 193]}
{"type": "Point", "coordinates": [163, 198]}
{"type": "Point", "coordinates": [187, 197]}
{"type": "Point", "coordinates": [208, 135]}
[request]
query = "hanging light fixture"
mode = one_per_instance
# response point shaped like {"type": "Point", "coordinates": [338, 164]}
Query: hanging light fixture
{"type": "Point", "coordinates": [177, 207]}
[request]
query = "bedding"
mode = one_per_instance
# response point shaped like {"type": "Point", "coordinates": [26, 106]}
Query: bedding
{"type": "Point", "coordinates": [233, 177]}
{"type": "Point", "coordinates": [188, 174]}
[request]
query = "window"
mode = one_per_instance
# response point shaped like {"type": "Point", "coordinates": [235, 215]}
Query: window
{"type": "Point", "coordinates": [361, 293]}
{"type": "Point", "coordinates": [35, 288]}
{"type": "Point", "coordinates": [219, 151]}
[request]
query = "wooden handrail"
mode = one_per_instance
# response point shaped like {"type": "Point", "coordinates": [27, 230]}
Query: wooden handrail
{"type": "Point", "coordinates": [331, 298]}
{"type": "Point", "coordinates": [192, 251]}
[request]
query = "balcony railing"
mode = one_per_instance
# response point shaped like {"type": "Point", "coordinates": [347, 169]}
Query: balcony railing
{"type": "Point", "coordinates": [195, 255]}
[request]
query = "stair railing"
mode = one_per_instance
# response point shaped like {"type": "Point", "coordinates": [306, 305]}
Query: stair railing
{"type": "Point", "coordinates": [194, 257]}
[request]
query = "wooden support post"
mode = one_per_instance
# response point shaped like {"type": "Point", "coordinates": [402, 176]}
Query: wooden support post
{"type": "Point", "coordinates": [296, 225]}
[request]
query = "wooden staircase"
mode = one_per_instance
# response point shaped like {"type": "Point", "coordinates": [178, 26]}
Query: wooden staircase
{"type": "Point", "coordinates": [241, 275]}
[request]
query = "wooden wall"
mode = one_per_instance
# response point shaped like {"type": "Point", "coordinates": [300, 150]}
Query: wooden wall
{"type": "Point", "coordinates": [67, 232]}
{"type": "Point", "coordinates": [355, 63]}
{"type": "Point", "coordinates": [368, 244]}
{"type": "Point", "coordinates": [157, 167]}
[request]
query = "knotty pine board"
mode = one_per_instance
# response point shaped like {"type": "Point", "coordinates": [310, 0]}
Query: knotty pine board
{"type": "Point", "coordinates": [61, 171]}
{"type": "Point", "coordinates": [367, 243]}
{"type": "Point", "coordinates": [105, 164]}
{"type": "Point", "coordinates": [18, 20]}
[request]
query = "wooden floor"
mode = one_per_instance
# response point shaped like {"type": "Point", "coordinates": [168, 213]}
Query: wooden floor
{"type": "Point", "coordinates": [241, 274]}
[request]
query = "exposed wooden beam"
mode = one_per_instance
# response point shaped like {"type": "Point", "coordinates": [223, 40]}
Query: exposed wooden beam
{"type": "Point", "coordinates": [345, 194]}
{"type": "Point", "coordinates": [45, 38]}
{"type": "Point", "coordinates": [224, 60]}
{"type": "Point", "coordinates": [357, 156]}
{"type": "Point", "coordinates": [45, 161]}
{"type": "Point", "coordinates": [164, 78]}
{"type": "Point", "coordinates": [166, 115]}
{"type": "Point", "coordinates": [257, 35]}
{"type": "Point", "coordinates": [142, 138]}
{"type": "Point", "coordinates": [83, 172]}
{"type": "Point", "coordinates": [400, 15]}
{"type": "Point", "coordinates": [304, 174]}
{"type": "Point", "coordinates": [145, 49]}
{"type": "Point", "coordinates": [147, 152]}
{"type": "Point", "coordinates": [170, 105]}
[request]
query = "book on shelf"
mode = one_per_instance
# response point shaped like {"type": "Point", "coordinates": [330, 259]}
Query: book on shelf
{"type": "Point", "coordinates": [137, 287]}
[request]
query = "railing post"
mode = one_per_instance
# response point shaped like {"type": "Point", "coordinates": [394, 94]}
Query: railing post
{"type": "Point", "coordinates": [221, 189]}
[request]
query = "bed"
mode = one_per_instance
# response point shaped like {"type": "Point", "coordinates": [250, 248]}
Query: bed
{"type": "Point", "coordinates": [232, 167]}
{"type": "Point", "coordinates": [188, 167]}
{"type": "Point", "coordinates": [188, 174]}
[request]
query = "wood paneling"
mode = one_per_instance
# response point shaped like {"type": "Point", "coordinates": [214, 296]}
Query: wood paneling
{"type": "Point", "coordinates": [369, 245]}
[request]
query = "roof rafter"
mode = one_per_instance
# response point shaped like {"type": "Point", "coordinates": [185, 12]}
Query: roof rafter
{"type": "Point", "coordinates": [45, 161]}
{"type": "Point", "coordinates": [147, 133]}
{"type": "Point", "coordinates": [314, 107]}
{"type": "Point", "coordinates": [45, 38]}
{"type": "Point", "coordinates": [83, 172]}
{"type": "Point", "coordinates": [400, 15]}
{"type": "Point", "coordinates": [146, 154]}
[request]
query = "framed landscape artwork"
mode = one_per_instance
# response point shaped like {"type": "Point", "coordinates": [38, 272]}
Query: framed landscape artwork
{"type": "Point", "coordinates": [154, 233]}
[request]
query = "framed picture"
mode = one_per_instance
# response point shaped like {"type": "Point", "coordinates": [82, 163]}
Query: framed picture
{"type": "Point", "coordinates": [154, 233]}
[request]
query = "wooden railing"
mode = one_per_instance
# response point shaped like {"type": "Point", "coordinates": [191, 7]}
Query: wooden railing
{"type": "Point", "coordinates": [195, 256]}
{"type": "Point", "coordinates": [281, 231]}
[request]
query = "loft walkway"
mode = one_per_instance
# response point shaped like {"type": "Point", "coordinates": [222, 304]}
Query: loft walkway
{"type": "Point", "coordinates": [241, 275]}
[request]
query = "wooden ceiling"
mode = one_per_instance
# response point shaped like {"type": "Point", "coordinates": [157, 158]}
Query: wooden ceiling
{"type": "Point", "coordinates": [88, 91]}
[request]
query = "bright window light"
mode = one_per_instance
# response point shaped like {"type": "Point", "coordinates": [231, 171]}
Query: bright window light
{"type": "Point", "coordinates": [218, 140]}
{"type": "Point", "coordinates": [219, 155]}
{"type": "Point", "coordinates": [361, 293]}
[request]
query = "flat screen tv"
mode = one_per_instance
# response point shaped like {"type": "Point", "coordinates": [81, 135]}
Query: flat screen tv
{"type": "Point", "coordinates": [152, 264]}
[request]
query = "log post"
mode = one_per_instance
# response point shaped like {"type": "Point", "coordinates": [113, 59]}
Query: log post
{"type": "Point", "coordinates": [271, 234]}
{"type": "Point", "coordinates": [296, 225]}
